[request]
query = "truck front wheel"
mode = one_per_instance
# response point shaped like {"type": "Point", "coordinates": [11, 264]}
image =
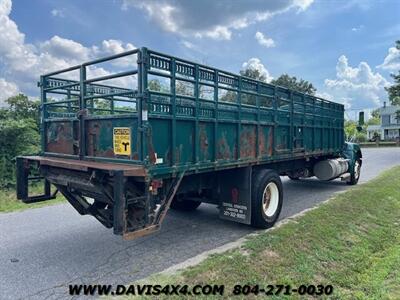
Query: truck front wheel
{"type": "Point", "coordinates": [267, 198]}
{"type": "Point", "coordinates": [355, 175]}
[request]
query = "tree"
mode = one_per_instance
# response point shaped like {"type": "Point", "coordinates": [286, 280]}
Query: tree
{"type": "Point", "coordinates": [352, 132]}
{"type": "Point", "coordinates": [253, 73]}
{"type": "Point", "coordinates": [184, 88]}
{"type": "Point", "coordinates": [350, 129]}
{"type": "Point", "coordinates": [300, 85]}
{"type": "Point", "coordinates": [376, 113]}
{"type": "Point", "coordinates": [397, 117]}
{"type": "Point", "coordinates": [375, 118]}
{"type": "Point", "coordinates": [20, 107]}
{"type": "Point", "coordinates": [229, 96]}
{"type": "Point", "coordinates": [19, 134]}
{"type": "Point", "coordinates": [373, 121]}
{"type": "Point", "coordinates": [103, 106]}
{"type": "Point", "coordinates": [154, 85]}
{"type": "Point", "coordinates": [394, 90]}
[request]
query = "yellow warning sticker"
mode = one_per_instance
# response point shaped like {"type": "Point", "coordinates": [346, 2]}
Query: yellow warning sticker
{"type": "Point", "coordinates": [122, 140]}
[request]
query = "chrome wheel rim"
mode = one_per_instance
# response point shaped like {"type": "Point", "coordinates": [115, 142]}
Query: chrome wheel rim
{"type": "Point", "coordinates": [357, 168]}
{"type": "Point", "coordinates": [270, 199]}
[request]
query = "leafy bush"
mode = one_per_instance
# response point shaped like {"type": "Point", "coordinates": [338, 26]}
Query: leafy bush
{"type": "Point", "coordinates": [350, 129]}
{"type": "Point", "coordinates": [19, 135]}
{"type": "Point", "coordinates": [360, 137]}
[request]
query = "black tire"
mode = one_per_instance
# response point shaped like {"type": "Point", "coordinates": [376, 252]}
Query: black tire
{"type": "Point", "coordinates": [355, 176]}
{"type": "Point", "coordinates": [261, 180]}
{"type": "Point", "coordinates": [184, 205]}
{"type": "Point", "coordinates": [293, 178]}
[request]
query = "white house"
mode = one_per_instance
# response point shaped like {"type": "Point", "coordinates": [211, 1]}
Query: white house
{"type": "Point", "coordinates": [389, 129]}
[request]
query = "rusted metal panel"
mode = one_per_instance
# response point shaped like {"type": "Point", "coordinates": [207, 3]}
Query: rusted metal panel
{"type": "Point", "coordinates": [227, 142]}
{"type": "Point", "coordinates": [100, 137]}
{"type": "Point", "coordinates": [265, 140]}
{"type": "Point", "coordinates": [206, 135]}
{"type": "Point", "coordinates": [184, 150]}
{"type": "Point", "coordinates": [99, 142]}
{"type": "Point", "coordinates": [62, 137]}
{"type": "Point", "coordinates": [248, 140]}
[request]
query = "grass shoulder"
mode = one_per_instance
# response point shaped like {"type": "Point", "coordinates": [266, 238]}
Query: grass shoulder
{"type": "Point", "coordinates": [10, 203]}
{"type": "Point", "coordinates": [351, 242]}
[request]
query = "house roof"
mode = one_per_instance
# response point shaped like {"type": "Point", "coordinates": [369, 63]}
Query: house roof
{"type": "Point", "coordinates": [388, 110]}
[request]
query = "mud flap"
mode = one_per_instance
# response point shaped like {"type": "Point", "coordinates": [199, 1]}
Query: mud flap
{"type": "Point", "coordinates": [235, 195]}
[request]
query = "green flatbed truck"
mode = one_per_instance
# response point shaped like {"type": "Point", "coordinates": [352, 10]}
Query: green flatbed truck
{"type": "Point", "coordinates": [167, 132]}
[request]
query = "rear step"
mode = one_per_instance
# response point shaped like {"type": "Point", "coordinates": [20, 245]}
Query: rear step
{"type": "Point", "coordinates": [160, 214]}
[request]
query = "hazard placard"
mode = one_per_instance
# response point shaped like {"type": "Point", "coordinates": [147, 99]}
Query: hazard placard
{"type": "Point", "coordinates": [122, 140]}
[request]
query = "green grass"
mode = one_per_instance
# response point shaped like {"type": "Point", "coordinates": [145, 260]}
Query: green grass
{"type": "Point", "coordinates": [9, 201]}
{"type": "Point", "coordinates": [351, 242]}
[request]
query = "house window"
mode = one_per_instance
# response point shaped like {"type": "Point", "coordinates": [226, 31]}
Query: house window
{"type": "Point", "coordinates": [393, 119]}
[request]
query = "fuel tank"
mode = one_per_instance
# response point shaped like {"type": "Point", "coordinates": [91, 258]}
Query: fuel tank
{"type": "Point", "coordinates": [331, 168]}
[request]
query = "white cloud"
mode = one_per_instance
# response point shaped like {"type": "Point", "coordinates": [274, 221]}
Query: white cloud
{"type": "Point", "coordinates": [5, 7]}
{"type": "Point", "coordinates": [210, 18]}
{"type": "Point", "coordinates": [57, 13]}
{"type": "Point", "coordinates": [217, 33]}
{"type": "Point", "coordinates": [263, 40]}
{"type": "Point", "coordinates": [65, 48]}
{"type": "Point", "coordinates": [358, 28]}
{"type": "Point", "coordinates": [188, 44]}
{"type": "Point", "coordinates": [13, 51]}
{"type": "Point", "coordinates": [303, 4]}
{"type": "Point", "coordinates": [112, 47]}
{"type": "Point", "coordinates": [23, 63]}
{"type": "Point", "coordinates": [7, 89]}
{"type": "Point", "coordinates": [358, 87]}
{"type": "Point", "coordinates": [255, 63]}
{"type": "Point", "coordinates": [324, 95]}
{"type": "Point", "coordinates": [392, 60]}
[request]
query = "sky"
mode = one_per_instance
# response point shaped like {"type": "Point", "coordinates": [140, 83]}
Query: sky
{"type": "Point", "coordinates": [344, 47]}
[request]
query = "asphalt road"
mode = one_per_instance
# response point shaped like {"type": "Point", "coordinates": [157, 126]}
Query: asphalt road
{"type": "Point", "coordinates": [43, 250]}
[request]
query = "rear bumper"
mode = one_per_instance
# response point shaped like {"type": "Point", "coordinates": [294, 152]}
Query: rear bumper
{"type": "Point", "coordinates": [25, 165]}
{"type": "Point", "coordinates": [85, 166]}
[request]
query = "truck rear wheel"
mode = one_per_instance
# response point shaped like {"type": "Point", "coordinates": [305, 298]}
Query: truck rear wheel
{"type": "Point", "coordinates": [267, 198]}
{"type": "Point", "coordinates": [185, 205]}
